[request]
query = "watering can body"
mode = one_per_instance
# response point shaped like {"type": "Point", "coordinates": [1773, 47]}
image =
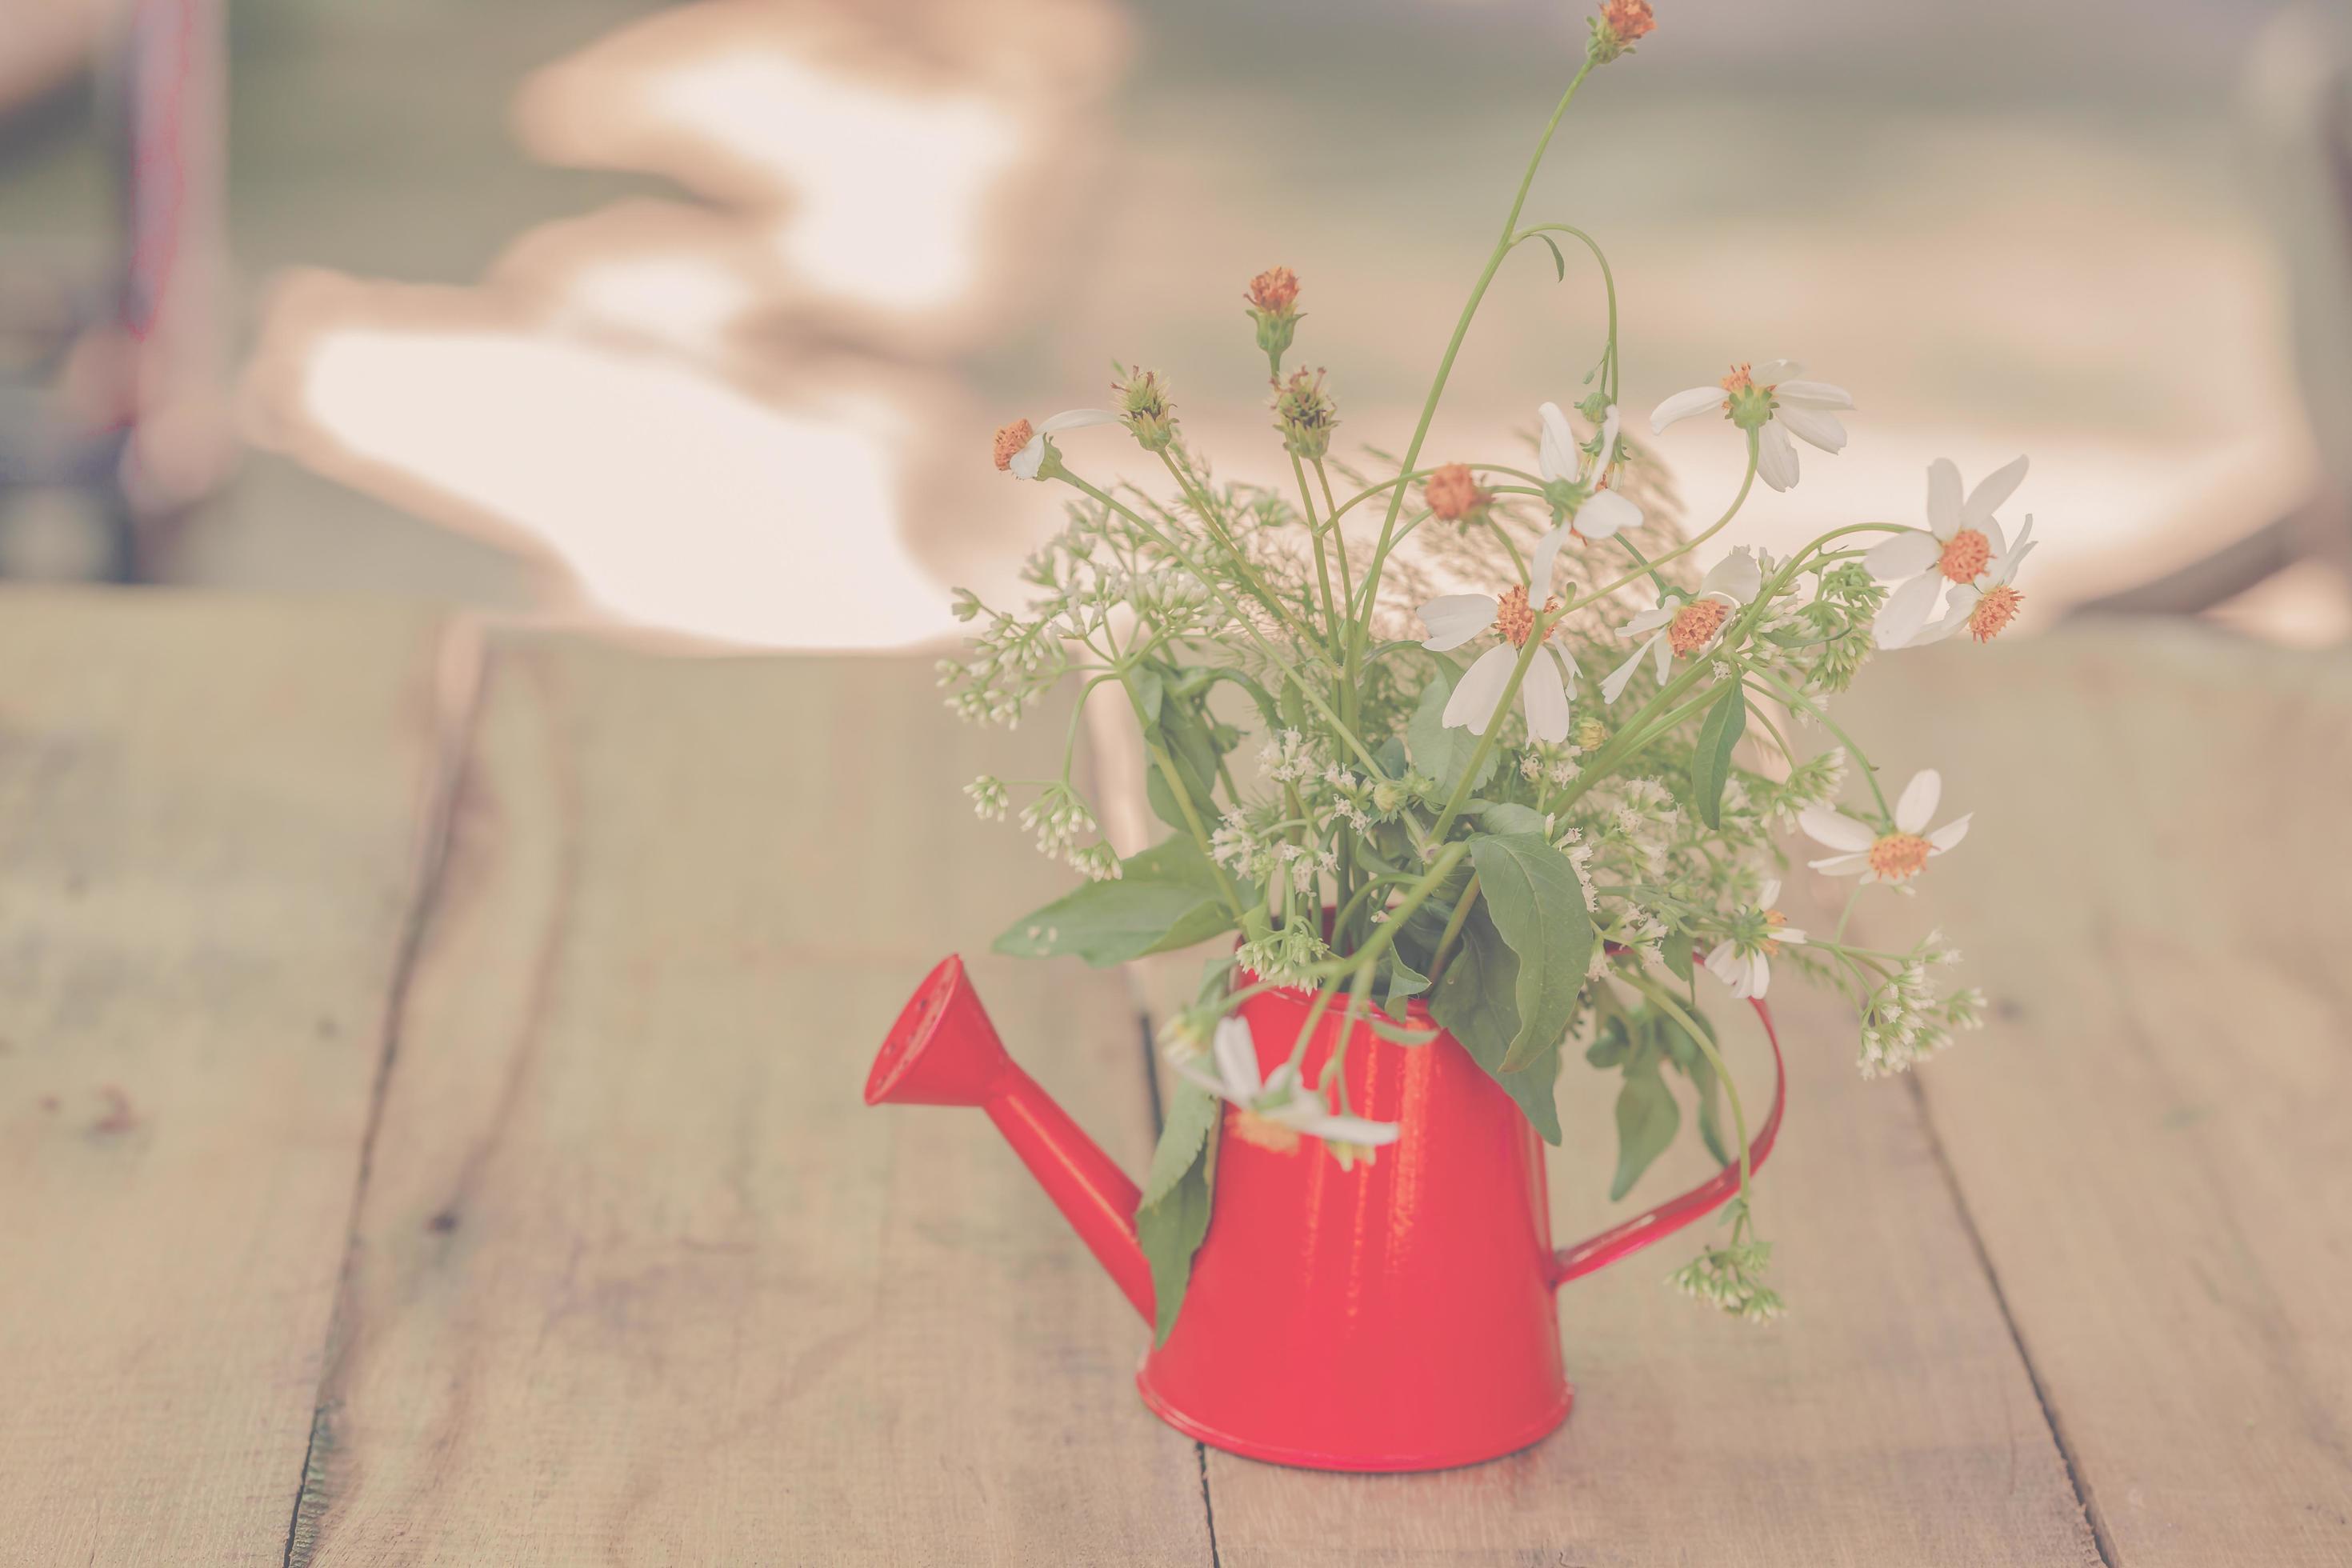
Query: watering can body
{"type": "Point", "coordinates": [1393, 1315]}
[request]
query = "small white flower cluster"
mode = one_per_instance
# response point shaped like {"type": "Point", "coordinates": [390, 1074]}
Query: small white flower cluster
{"type": "Point", "coordinates": [1290, 758]}
{"type": "Point", "coordinates": [1906, 1021]}
{"type": "Point", "coordinates": [1644, 821]}
{"type": "Point", "coordinates": [1284, 957]}
{"type": "Point", "coordinates": [1731, 1279]}
{"type": "Point", "coordinates": [990, 800]}
{"type": "Point", "coordinates": [1059, 819]}
{"type": "Point", "coordinates": [1248, 847]}
{"type": "Point", "coordinates": [1546, 763]}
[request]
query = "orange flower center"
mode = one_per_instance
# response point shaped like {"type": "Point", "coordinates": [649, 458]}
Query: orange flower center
{"type": "Point", "coordinates": [1739, 380]}
{"type": "Point", "coordinates": [1273, 290]}
{"type": "Point", "coordinates": [1514, 619]}
{"type": "Point", "coordinates": [1629, 19]}
{"type": "Point", "coordinates": [1968, 553]}
{"type": "Point", "coordinates": [1453, 494]}
{"type": "Point", "coordinates": [1258, 1131]}
{"type": "Point", "coordinates": [1010, 440]}
{"type": "Point", "coordinates": [1993, 612]}
{"type": "Point", "coordinates": [1695, 626]}
{"type": "Point", "coordinates": [1898, 855]}
{"type": "Point", "coordinates": [1774, 920]}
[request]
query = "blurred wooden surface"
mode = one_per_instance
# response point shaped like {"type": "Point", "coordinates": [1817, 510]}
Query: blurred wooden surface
{"type": "Point", "coordinates": [429, 1133]}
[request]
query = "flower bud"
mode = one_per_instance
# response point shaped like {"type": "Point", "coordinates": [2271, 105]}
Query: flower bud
{"type": "Point", "coordinates": [1618, 26]}
{"type": "Point", "coordinates": [1143, 404]}
{"type": "Point", "coordinates": [1273, 305]}
{"type": "Point", "coordinates": [1454, 496]}
{"type": "Point", "coordinates": [1591, 734]}
{"type": "Point", "coordinates": [1387, 797]}
{"type": "Point", "coordinates": [1305, 414]}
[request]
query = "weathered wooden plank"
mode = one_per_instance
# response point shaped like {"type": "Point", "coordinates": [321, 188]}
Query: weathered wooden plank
{"type": "Point", "coordinates": [1887, 1419]}
{"type": "Point", "coordinates": [210, 818]}
{"type": "Point", "coordinates": [640, 1279]}
{"type": "Point", "coordinates": [2150, 1136]}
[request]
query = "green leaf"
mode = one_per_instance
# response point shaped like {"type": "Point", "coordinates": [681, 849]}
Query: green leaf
{"type": "Point", "coordinates": [1404, 984]}
{"type": "Point", "coordinates": [1151, 688]}
{"type": "Point", "coordinates": [1508, 817]}
{"type": "Point", "coordinates": [1165, 898]}
{"type": "Point", "coordinates": [1538, 905]}
{"type": "Point", "coordinates": [1474, 1002]}
{"type": "Point", "coordinates": [1184, 734]}
{"type": "Point", "coordinates": [1559, 261]}
{"type": "Point", "coordinates": [1441, 753]}
{"type": "Point", "coordinates": [1678, 958]}
{"type": "Point", "coordinates": [1719, 732]}
{"type": "Point", "coordinates": [1647, 1118]}
{"type": "Point", "coordinates": [1398, 1034]}
{"type": "Point", "coordinates": [1694, 1064]}
{"type": "Point", "coordinates": [1174, 1216]}
{"type": "Point", "coordinates": [1192, 1115]}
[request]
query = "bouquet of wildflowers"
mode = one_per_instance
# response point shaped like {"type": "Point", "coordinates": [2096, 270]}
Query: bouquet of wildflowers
{"type": "Point", "coordinates": [1503, 739]}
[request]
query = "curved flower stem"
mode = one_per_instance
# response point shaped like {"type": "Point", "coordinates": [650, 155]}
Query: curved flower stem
{"type": "Point", "coordinates": [1609, 282]}
{"type": "Point", "coordinates": [1469, 313]}
{"type": "Point", "coordinates": [1798, 704]}
{"type": "Point", "coordinates": [1519, 561]}
{"type": "Point", "coordinates": [1746, 483]}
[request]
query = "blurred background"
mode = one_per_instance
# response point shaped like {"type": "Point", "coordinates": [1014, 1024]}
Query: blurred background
{"type": "Point", "coordinates": [697, 318]}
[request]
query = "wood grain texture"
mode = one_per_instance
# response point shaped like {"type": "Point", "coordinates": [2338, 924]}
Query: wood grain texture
{"type": "Point", "coordinates": [210, 817]}
{"type": "Point", "coordinates": [639, 1278]}
{"type": "Point", "coordinates": [2151, 1135]}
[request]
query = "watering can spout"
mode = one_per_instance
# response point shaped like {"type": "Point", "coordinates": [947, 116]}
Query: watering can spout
{"type": "Point", "coordinates": [944, 1051]}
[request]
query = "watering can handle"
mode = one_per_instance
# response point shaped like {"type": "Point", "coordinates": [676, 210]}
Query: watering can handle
{"type": "Point", "coordinates": [1663, 1221]}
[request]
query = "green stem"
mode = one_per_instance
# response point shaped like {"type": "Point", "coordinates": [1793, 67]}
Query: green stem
{"type": "Point", "coordinates": [1453, 931]}
{"type": "Point", "coordinates": [1649, 568]}
{"type": "Point", "coordinates": [1820, 710]}
{"type": "Point", "coordinates": [1469, 313]}
{"type": "Point", "coordinates": [1224, 540]}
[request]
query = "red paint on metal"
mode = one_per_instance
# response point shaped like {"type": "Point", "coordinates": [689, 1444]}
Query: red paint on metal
{"type": "Point", "coordinates": [1394, 1316]}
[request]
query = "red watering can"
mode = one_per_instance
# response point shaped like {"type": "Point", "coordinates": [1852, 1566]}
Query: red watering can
{"type": "Point", "coordinates": [1394, 1316]}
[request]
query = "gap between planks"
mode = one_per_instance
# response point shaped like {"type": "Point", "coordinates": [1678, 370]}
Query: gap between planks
{"type": "Point", "coordinates": [2099, 1536]}
{"type": "Point", "coordinates": [457, 699]}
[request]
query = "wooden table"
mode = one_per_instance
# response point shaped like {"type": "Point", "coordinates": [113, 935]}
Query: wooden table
{"type": "Point", "coordinates": [429, 1133]}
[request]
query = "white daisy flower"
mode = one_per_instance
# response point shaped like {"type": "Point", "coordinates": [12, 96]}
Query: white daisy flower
{"type": "Point", "coordinates": [1771, 400]}
{"type": "Point", "coordinates": [1278, 1098]}
{"type": "Point", "coordinates": [1896, 855]}
{"type": "Point", "coordinates": [1021, 450]}
{"type": "Point", "coordinates": [1690, 629]}
{"type": "Point", "coordinates": [1454, 619]}
{"type": "Point", "coordinates": [1603, 512]}
{"type": "Point", "coordinates": [1744, 962]}
{"type": "Point", "coordinates": [1962, 545]}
